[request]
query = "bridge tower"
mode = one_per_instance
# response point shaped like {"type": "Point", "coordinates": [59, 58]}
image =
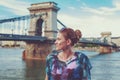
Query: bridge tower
{"type": "Point", "coordinates": [46, 18]}
{"type": "Point", "coordinates": [43, 23]}
{"type": "Point", "coordinates": [106, 38]}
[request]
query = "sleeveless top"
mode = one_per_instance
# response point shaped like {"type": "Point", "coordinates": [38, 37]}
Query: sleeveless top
{"type": "Point", "coordinates": [76, 68]}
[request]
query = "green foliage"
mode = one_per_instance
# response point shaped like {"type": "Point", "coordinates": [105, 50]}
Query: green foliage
{"type": "Point", "coordinates": [85, 45]}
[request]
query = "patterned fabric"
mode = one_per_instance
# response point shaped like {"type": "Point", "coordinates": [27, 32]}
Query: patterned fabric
{"type": "Point", "coordinates": [77, 68]}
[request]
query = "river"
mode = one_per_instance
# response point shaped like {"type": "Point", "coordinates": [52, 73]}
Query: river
{"type": "Point", "coordinates": [12, 67]}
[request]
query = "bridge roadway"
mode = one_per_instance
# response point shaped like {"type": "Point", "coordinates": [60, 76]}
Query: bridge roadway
{"type": "Point", "coordinates": [27, 38]}
{"type": "Point", "coordinates": [16, 37]}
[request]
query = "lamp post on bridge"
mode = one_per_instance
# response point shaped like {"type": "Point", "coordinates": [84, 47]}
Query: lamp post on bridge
{"type": "Point", "coordinates": [25, 31]}
{"type": "Point", "coordinates": [12, 31]}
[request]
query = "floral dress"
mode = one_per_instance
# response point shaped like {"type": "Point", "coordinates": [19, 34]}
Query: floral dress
{"type": "Point", "coordinates": [77, 68]}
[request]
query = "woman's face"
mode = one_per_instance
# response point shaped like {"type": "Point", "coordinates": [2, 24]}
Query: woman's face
{"type": "Point", "coordinates": [61, 42]}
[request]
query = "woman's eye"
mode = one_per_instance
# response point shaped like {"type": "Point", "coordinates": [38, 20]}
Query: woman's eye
{"type": "Point", "coordinates": [58, 39]}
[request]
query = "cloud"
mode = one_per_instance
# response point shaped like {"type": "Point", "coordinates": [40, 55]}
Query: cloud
{"type": "Point", "coordinates": [15, 6]}
{"type": "Point", "coordinates": [116, 3]}
{"type": "Point", "coordinates": [100, 11]}
{"type": "Point", "coordinates": [72, 8]}
{"type": "Point", "coordinates": [92, 26]}
{"type": "Point", "coordinates": [103, 10]}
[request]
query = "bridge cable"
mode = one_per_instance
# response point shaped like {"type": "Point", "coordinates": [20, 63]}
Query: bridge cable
{"type": "Point", "coordinates": [61, 23]}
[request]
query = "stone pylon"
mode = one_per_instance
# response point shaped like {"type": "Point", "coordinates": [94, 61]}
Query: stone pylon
{"type": "Point", "coordinates": [43, 22]}
{"type": "Point", "coordinates": [106, 38]}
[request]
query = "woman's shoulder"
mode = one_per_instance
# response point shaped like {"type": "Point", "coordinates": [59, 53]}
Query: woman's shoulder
{"type": "Point", "coordinates": [80, 54]}
{"type": "Point", "coordinates": [84, 59]}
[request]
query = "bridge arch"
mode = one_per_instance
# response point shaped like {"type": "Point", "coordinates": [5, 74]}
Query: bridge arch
{"type": "Point", "coordinates": [39, 25]}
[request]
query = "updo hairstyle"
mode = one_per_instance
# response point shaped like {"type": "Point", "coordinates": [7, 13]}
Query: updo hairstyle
{"type": "Point", "coordinates": [69, 33]}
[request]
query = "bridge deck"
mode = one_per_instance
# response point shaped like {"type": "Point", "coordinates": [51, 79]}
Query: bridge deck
{"type": "Point", "coordinates": [14, 37]}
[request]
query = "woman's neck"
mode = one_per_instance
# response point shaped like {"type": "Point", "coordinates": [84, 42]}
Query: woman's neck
{"type": "Point", "coordinates": [65, 55]}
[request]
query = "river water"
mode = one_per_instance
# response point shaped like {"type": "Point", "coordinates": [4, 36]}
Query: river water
{"type": "Point", "coordinates": [12, 67]}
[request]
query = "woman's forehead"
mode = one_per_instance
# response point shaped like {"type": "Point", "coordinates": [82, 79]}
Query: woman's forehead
{"type": "Point", "coordinates": [60, 35]}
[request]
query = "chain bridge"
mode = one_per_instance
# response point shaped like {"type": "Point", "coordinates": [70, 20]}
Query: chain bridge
{"type": "Point", "coordinates": [38, 30]}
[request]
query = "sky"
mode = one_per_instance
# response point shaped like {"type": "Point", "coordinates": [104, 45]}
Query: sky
{"type": "Point", "coordinates": [90, 16]}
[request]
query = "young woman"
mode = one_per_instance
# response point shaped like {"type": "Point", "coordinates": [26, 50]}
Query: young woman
{"type": "Point", "coordinates": [64, 63]}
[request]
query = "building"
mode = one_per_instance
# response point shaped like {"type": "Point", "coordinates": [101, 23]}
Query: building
{"type": "Point", "coordinates": [116, 40]}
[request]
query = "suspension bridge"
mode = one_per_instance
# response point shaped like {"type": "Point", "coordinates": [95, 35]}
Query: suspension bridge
{"type": "Point", "coordinates": [40, 26]}
{"type": "Point", "coordinates": [16, 29]}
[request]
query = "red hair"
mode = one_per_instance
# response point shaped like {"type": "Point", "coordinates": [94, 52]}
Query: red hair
{"type": "Point", "coordinates": [69, 33]}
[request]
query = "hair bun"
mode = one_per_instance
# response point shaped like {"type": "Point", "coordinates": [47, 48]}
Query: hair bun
{"type": "Point", "coordinates": [78, 34]}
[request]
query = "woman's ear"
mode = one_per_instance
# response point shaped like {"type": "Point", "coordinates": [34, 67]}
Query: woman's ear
{"type": "Point", "coordinates": [69, 42]}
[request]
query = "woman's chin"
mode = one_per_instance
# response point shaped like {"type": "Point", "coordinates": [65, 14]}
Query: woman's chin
{"type": "Point", "coordinates": [57, 49]}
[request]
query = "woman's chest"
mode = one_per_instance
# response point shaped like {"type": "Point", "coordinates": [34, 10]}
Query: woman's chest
{"type": "Point", "coordinates": [65, 70]}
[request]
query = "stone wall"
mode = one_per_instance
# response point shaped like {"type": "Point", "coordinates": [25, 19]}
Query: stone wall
{"type": "Point", "coordinates": [37, 50]}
